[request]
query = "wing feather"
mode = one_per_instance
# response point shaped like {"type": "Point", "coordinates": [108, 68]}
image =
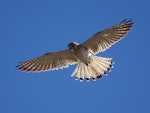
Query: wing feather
{"type": "Point", "coordinates": [49, 61]}
{"type": "Point", "coordinates": [101, 41]}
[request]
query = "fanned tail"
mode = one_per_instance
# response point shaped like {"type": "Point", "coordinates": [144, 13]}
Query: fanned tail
{"type": "Point", "coordinates": [98, 66]}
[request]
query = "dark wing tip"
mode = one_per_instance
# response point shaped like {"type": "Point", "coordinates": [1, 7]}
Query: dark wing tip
{"type": "Point", "coordinates": [18, 66]}
{"type": "Point", "coordinates": [126, 21]}
{"type": "Point", "coordinates": [23, 67]}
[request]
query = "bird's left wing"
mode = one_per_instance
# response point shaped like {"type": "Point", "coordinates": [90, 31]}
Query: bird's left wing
{"type": "Point", "coordinates": [105, 39]}
{"type": "Point", "coordinates": [49, 61]}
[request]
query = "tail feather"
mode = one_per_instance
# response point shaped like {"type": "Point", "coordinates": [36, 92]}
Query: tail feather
{"type": "Point", "coordinates": [98, 66]}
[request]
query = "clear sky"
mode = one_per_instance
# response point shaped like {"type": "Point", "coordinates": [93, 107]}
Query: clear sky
{"type": "Point", "coordinates": [30, 28]}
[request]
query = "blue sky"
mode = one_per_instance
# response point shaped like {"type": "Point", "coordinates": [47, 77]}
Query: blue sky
{"type": "Point", "coordinates": [30, 28]}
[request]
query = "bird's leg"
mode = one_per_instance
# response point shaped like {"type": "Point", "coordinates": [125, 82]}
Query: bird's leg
{"type": "Point", "coordinates": [87, 64]}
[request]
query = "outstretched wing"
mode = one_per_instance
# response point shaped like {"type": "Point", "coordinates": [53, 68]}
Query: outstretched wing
{"type": "Point", "coordinates": [101, 41]}
{"type": "Point", "coordinates": [49, 61]}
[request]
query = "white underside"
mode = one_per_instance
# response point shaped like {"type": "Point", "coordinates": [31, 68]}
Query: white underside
{"type": "Point", "coordinates": [98, 66]}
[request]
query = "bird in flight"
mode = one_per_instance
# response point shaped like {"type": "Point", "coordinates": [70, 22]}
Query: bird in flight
{"type": "Point", "coordinates": [89, 66]}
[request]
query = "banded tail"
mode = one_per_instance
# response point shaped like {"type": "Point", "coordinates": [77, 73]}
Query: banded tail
{"type": "Point", "coordinates": [99, 66]}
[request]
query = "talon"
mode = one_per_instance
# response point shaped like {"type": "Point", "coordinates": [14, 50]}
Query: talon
{"type": "Point", "coordinates": [86, 64]}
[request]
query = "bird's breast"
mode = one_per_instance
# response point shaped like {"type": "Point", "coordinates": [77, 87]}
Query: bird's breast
{"type": "Point", "coordinates": [83, 54]}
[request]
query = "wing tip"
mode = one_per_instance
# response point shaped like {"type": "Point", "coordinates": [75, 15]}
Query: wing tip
{"type": "Point", "coordinates": [127, 21]}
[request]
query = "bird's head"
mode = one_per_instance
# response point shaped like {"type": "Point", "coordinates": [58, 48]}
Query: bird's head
{"type": "Point", "coordinates": [73, 45]}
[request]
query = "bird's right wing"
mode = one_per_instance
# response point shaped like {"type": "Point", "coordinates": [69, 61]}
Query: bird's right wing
{"type": "Point", "coordinates": [101, 41]}
{"type": "Point", "coordinates": [49, 61]}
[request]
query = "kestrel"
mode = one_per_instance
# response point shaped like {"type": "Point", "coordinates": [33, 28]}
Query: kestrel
{"type": "Point", "coordinates": [88, 65]}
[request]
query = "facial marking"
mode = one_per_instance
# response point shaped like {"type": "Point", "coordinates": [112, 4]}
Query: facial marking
{"type": "Point", "coordinates": [73, 45]}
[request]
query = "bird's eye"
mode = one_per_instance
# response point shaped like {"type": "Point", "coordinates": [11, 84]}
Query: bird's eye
{"type": "Point", "coordinates": [73, 45]}
{"type": "Point", "coordinates": [69, 46]}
